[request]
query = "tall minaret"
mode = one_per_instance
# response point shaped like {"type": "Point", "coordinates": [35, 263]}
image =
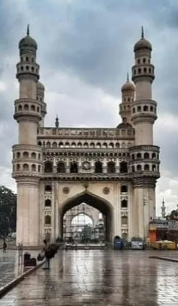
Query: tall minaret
{"type": "Point", "coordinates": [145, 156]}
{"type": "Point", "coordinates": [144, 108]}
{"type": "Point", "coordinates": [27, 155]}
{"type": "Point", "coordinates": [128, 92]}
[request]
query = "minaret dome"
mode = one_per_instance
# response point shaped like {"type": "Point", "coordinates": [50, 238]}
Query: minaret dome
{"type": "Point", "coordinates": [142, 43]}
{"type": "Point", "coordinates": [28, 42]}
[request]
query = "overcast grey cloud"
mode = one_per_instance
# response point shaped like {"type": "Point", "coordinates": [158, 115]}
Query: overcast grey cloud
{"type": "Point", "coordinates": [85, 49]}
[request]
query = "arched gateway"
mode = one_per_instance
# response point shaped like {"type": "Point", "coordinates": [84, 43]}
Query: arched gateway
{"type": "Point", "coordinates": [114, 169]}
{"type": "Point", "coordinates": [95, 201]}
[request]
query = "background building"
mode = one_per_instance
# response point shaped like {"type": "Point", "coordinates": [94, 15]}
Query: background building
{"type": "Point", "coordinates": [112, 169]}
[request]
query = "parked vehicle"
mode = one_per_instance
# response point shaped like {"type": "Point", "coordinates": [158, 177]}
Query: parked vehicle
{"type": "Point", "coordinates": [137, 243]}
{"type": "Point", "coordinates": [164, 245]}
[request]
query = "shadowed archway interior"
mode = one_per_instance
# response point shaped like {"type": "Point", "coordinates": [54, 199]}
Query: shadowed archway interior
{"type": "Point", "coordinates": [94, 201]}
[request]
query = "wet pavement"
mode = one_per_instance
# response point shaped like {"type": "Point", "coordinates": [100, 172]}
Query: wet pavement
{"type": "Point", "coordinates": [10, 266]}
{"type": "Point", "coordinates": [96, 277]}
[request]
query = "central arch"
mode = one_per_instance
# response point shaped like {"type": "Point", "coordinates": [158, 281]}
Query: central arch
{"type": "Point", "coordinates": [94, 201]}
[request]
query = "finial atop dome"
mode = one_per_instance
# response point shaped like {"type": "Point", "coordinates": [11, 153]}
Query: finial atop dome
{"type": "Point", "coordinates": [128, 85]}
{"type": "Point", "coordinates": [28, 29]}
{"type": "Point", "coordinates": [142, 32]}
{"type": "Point", "coordinates": [142, 43]}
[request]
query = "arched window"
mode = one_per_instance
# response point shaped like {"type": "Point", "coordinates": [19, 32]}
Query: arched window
{"type": "Point", "coordinates": [133, 110]}
{"type": "Point", "coordinates": [133, 156]}
{"type": "Point", "coordinates": [139, 167]}
{"type": "Point", "coordinates": [153, 155]}
{"type": "Point", "coordinates": [20, 107]}
{"type": "Point", "coordinates": [74, 167]}
{"type": "Point", "coordinates": [98, 167]}
{"type": "Point", "coordinates": [98, 145]}
{"type": "Point", "coordinates": [54, 145]}
{"type": "Point", "coordinates": [146, 167]}
{"type": "Point", "coordinates": [18, 154]}
{"type": "Point", "coordinates": [145, 108]}
{"type": "Point", "coordinates": [18, 167]}
{"type": "Point", "coordinates": [92, 145]}
{"type": "Point", "coordinates": [85, 145]}
{"type": "Point", "coordinates": [111, 145]}
{"type": "Point", "coordinates": [153, 167]}
{"type": "Point", "coordinates": [73, 144]}
{"type": "Point", "coordinates": [33, 107]}
{"type": "Point", "coordinates": [48, 188]}
{"type": "Point", "coordinates": [39, 143]}
{"type": "Point", "coordinates": [67, 144]}
{"type": "Point", "coordinates": [26, 107]}
{"type": "Point", "coordinates": [123, 145]}
{"type": "Point", "coordinates": [146, 155]}
{"type": "Point", "coordinates": [123, 167]}
{"type": "Point", "coordinates": [33, 167]}
{"type": "Point", "coordinates": [151, 108]}
{"type": "Point", "coordinates": [79, 144]}
{"type": "Point", "coordinates": [145, 69]}
{"type": "Point", "coordinates": [61, 144]}
{"type": "Point", "coordinates": [33, 155]}
{"type": "Point", "coordinates": [25, 154]}
{"type": "Point", "coordinates": [25, 167]}
{"type": "Point", "coordinates": [139, 109]}
{"type": "Point", "coordinates": [139, 155]}
{"type": "Point", "coordinates": [111, 167]}
{"type": "Point", "coordinates": [124, 204]}
{"type": "Point", "coordinates": [48, 203]}
{"type": "Point", "coordinates": [39, 168]}
{"type": "Point", "coordinates": [133, 169]}
{"type": "Point", "coordinates": [48, 144]}
{"type": "Point", "coordinates": [124, 220]}
{"type": "Point", "coordinates": [48, 166]}
{"type": "Point", "coordinates": [61, 167]}
{"type": "Point", "coordinates": [117, 145]}
{"type": "Point", "coordinates": [105, 145]}
{"type": "Point", "coordinates": [47, 220]}
{"type": "Point", "coordinates": [124, 188]}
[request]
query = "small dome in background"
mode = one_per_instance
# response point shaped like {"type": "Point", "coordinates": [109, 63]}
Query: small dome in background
{"type": "Point", "coordinates": [28, 41]}
{"type": "Point", "coordinates": [128, 85]}
{"type": "Point", "coordinates": [40, 86]}
{"type": "Point", "coordinates": [142, 43]}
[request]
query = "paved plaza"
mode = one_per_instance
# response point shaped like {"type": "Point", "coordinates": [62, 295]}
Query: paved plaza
{"type": "Point", "coordinates": [98, 277]}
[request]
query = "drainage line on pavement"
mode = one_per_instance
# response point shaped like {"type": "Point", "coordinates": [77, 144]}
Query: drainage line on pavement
{"type": "Point", "coordinates": [4, 290]}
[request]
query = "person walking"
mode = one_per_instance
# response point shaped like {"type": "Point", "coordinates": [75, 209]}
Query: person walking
{"type": "Point", "coordinates": [4, 247]}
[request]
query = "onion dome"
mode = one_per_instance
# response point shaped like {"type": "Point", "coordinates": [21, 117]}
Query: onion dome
{"type": "Point", "coordinates": [28, 41]}
{"type": "Point", "coordinates": [142, 43]}
{"type": "Point", "coordinates": [128, 85]}
{"type": "Point", "coordinates": [40, 86]}
{"type": "Point", "coordinates": [124, 125]}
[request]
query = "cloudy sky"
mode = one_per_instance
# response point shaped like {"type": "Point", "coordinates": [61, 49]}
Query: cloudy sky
{"type": "Point", "coordinates": [85, 48]}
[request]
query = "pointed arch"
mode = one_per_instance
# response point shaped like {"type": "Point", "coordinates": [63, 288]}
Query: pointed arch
{"type": "Point", "coordinates": [92, 200]}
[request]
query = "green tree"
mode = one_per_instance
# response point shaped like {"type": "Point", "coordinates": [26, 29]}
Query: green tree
{"type": "Point", "coordinates": [8, 201]}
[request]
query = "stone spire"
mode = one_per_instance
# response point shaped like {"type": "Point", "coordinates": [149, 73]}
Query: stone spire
{"type": "Point", "coordinates": [163, 209]}
{"type": "Point", "coordinates": [57, 122]}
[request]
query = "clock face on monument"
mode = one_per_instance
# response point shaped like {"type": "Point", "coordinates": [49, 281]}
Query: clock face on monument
{"type": "Point", "coordinates": [86, 165]}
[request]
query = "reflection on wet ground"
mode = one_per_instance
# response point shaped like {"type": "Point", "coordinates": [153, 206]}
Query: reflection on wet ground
{"type": "Point", "coordinates": [96, 277]}
{"type": "Point", "coordinates": [10, 266]}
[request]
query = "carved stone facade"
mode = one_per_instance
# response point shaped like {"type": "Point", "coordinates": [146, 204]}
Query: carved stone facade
{"type": "Point", "coordinates": [112, 169]}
